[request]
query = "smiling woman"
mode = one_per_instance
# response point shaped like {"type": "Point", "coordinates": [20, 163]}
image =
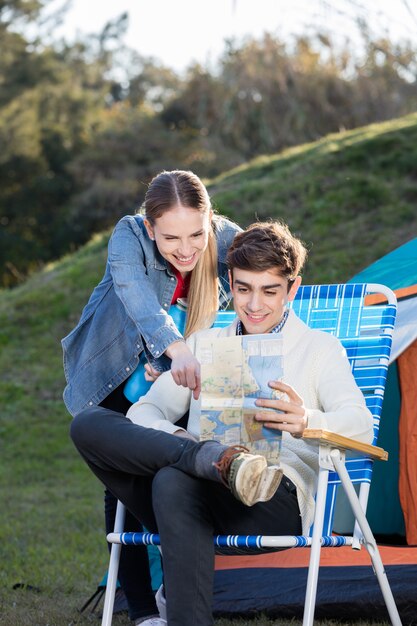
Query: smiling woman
{"type": "Point", "coordinates": [173, 248]}
{"type": "Point", "coordinates": [181, 236]}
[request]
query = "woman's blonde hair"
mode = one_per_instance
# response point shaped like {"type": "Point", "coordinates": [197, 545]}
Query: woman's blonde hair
{"type": "Point", "coordinates": [165, 191]}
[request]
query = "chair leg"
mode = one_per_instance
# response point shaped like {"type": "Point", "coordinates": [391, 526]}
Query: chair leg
{"type": "Point", "coordinates": [112, 572]}
{"type": "Point", "coordinates": [370, 542]}
{"type": "Point", "coordinates": [313, 568]}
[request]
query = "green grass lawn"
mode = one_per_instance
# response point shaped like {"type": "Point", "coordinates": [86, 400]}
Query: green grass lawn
{"type": "Point", "coordinates": [351, 197]}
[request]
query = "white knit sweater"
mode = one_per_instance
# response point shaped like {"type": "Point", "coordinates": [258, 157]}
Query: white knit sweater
{"type": "Point", "coordinates": [315, 364]}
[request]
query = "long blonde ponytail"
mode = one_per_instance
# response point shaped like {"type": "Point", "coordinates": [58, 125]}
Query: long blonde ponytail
{"type": "Point", "coordinates": [179, 187]}
{"type": "Point", "coordinates": [203, 296]}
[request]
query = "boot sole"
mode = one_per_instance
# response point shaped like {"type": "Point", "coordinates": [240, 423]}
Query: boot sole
{"type": "Point", "coordinates": [255, 481]}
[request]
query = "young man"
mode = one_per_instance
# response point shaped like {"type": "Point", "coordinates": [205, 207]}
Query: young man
{"type": "Point", "coordinates": [188, 491]}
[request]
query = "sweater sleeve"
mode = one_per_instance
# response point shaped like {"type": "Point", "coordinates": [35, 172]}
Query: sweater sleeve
{"type": "Point", "coordinates": [162, 406]}
{"type": "Point", "coordinates": [342, 408]}
{"type": "Point", "coordinates": [165, 402]}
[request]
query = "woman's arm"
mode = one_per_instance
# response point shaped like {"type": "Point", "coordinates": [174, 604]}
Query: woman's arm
{"type": "Point", "coordinates": [131, 257]}
{"type": "Point", "coordinates": [185, 368]}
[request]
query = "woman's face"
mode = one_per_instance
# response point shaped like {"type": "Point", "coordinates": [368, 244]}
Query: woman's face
{"type": "Point", "coordinates": [181, 235]}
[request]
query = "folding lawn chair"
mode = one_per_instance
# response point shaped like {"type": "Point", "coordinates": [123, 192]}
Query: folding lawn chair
{"type": "Point", "coordinates": [362, 316]}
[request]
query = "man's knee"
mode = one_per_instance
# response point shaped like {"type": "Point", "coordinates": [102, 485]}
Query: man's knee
{"type": "Point", "coordinates": [170, 485]}
{"type": "Point", "coordinates": [174, 491]}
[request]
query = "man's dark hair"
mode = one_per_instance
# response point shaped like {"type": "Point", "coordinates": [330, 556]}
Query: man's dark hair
{"type": "Point", "coordinates": [267, 245]}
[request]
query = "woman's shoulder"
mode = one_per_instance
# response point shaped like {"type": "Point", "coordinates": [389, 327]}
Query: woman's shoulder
{"type": "Point", "coordinates": [225, 231]}
{"type": "Point", "coordinates": [129, 236]}
{"type": "Point", "coordinates": [130, 224]}
{"type": "Point", "coordinates": [222, 224]}
{"type": "Point", "coordinates": [131, 221]}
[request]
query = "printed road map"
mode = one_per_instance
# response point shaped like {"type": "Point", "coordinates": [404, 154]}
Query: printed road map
{"type": "Point", "coordinates": [235, 371]}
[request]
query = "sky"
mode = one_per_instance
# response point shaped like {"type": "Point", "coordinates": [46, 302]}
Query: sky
{"type": "Point", "coordinates": [179, 32]}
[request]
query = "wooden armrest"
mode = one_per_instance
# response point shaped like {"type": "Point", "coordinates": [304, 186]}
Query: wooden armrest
{"type": "Point", "coordinates": [327, 437]}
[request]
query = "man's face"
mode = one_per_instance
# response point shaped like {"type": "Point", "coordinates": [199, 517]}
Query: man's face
{"type": "Point", "coordinates": [260, 298]}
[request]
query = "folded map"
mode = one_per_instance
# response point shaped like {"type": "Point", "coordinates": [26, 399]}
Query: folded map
{"type": "Point", "coordinates": [235, 371]}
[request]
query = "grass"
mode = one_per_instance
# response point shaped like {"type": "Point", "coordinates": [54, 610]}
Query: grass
{"type": "Point", "coordinates": [30, 608]}
{"type": "Point", "coordinates": [351, 197]}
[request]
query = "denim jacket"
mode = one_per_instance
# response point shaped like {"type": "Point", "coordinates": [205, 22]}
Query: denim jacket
{"type": "Point", "coordinates": [127, 313]}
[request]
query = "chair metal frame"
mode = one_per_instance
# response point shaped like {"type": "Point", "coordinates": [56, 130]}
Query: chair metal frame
{"type": "Point", "coordinates": [365, 329]}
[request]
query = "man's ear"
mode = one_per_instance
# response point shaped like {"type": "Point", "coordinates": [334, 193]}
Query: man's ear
{"type": "Point", "coordinates": [294, 288]}
{"type": "Point", "coordinates": [230, 272]}
{"type": "Point", "coordinates": [149, 229]}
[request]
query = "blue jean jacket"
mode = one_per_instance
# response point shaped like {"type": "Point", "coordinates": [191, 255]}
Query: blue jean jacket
{"type": "Point", "coordinates": [127, 313]}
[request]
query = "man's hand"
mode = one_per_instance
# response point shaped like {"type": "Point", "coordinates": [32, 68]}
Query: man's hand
{"type": "Point", "coordinates": [292, 419]}
{"type": "Point", "coordinates": [185, 368]}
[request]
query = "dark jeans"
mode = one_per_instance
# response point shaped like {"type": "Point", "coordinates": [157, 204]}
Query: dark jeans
{"type": "Point", "coordinates": [163, 481]}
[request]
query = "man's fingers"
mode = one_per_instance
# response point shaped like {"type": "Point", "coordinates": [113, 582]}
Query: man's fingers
{"type": "Point", "coordinates": [292, 422]}
{"type": "Point", "coordinates": [287, 389]}
{"type": "Point", "coordinates": [280, 405]}
{"type": "Point", "coordinates": [277, 417]}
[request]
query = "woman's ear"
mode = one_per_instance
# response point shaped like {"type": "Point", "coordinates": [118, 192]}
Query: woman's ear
{"type": "Point", "coordinates": [149, 229]}
{"type": "Point", "coordinates": [294, 288]}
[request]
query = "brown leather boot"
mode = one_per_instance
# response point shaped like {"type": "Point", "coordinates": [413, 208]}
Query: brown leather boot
{"type": "Point", "coordinates": [248, 476]}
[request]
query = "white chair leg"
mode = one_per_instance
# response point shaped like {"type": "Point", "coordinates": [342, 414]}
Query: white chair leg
{"type": "Point", "coordinates": [113, 570]}
{"type": "Point", "coordinates": [363, 501]}
{"type": "Point", "coordinates": [370, 542]}
{"type": "Point", "coordinates": [313, 568]}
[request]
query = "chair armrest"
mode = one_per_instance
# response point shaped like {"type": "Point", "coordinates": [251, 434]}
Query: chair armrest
{"type": "Point", "coordinates": [327, 437]}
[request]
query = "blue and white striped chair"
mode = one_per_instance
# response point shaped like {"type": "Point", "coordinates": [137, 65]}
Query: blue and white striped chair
{"type": "Point", "coordinates": [362, 316]}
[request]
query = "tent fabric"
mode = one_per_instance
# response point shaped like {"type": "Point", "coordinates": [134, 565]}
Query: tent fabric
{"type": "Point", "coordinates": [336, 557]}
{"type": "Point", "coordinates": [342, 593]}
{"type": "Point", "coordinates": [398, 270]}
{"type": "Point", "coordinates": [405, 326]}
{"type": "Point", "coordinates": [407, 366]}
{"type": "Point", "coordinates": [275, 584]}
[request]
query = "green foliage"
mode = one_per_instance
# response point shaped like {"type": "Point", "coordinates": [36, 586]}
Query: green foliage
{"type": "Point", "coordinates": [84, 127]}
{"type": "Point", "coordinates": [49, 104]}
{"type": "Point", "coordinates": [42, 130]}
{"type": "Point", "coordinates": [112, 172]}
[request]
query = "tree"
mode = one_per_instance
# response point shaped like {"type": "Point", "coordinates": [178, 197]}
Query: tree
{"type": "Point", "coordinates": [48, 109]}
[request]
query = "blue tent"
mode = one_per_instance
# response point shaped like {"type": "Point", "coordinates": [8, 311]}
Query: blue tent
{"type": "Point", "coordinates": [395, 482]}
